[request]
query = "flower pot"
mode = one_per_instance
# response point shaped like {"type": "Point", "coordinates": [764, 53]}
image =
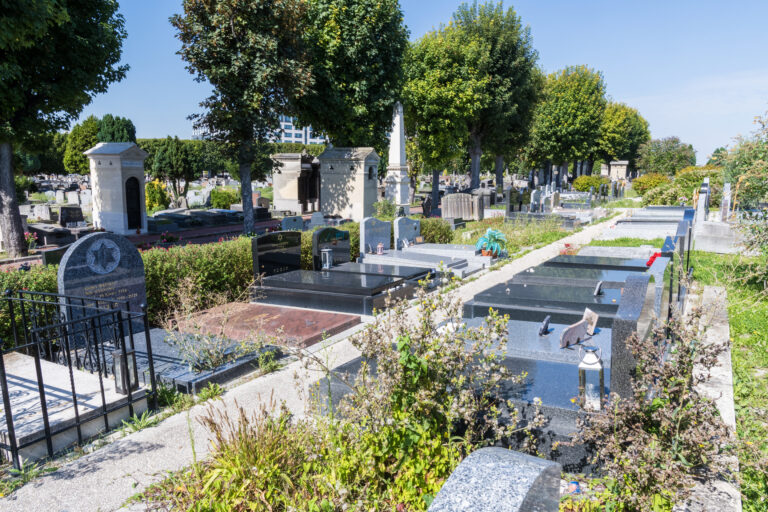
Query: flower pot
{"type": "Point", "coordinates": [486, 252]}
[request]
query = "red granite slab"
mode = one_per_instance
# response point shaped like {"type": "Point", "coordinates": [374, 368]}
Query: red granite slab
{"type": "Point", "coordinates": [238, 320]}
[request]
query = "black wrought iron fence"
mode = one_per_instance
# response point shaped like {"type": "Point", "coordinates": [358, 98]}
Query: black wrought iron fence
{"type": "Point", "coordinates": [70, 366]}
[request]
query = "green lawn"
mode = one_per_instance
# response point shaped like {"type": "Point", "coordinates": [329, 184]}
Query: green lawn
{"type": "Point", "coordinates": [628, 242]}
{"type": "Point", "coordinates": [623, 203]}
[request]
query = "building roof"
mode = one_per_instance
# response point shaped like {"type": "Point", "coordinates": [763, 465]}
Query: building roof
{"type": "Point", "coordinates": [122, 149]}
{"type": "Point", "coordinates": [358, 153]}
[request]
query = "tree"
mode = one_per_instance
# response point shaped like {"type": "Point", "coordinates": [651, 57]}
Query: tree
{"type": "Point", "coordinates": [82, 138]}
{"type": "Point", "coordinates": [251, 53]}
{"type": "Point", "coordinates": [622, 131]}
{"type": "Point", "coordinates": [566, 124]}
{"type": "Point", "coordinates": [665, 156]}
{"type": "Point", "coordinates": [173, 162]}
{"type": "Point", "coordinates": [116, 129]}
{"type": "Point", "coordinates": [356, 49]}
{"type": "Point", "coordinates": [54, 56]}
{"type": "Point", "coordinates": [718, 157]}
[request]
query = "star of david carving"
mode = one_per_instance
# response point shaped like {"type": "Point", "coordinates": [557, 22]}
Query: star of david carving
{"type": "Point", "coordinates": [103, 256]}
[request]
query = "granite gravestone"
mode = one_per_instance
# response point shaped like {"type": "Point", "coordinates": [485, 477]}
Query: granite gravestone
{"type": "Point", "coordinates": [316, 220]}
{"type": "Point", "coordinates": [292, 223]}
{"type": "Point", "coordinates": [335, 240]}
{"type": "Point", "coordinates": [70, 216]}
{"type": "Point", "coordinates": [372, 232]}
{"type": "Point", "coordinates": [725, 204]}
{"type": "Point", "coordinates": [105, 266]}
{"type": "Point", "coordinates": [406, 231]}
{"type": "Point", "coordinates": [275, 253]}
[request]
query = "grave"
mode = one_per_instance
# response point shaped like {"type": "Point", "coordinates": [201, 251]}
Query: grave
{"type": "Point", "coordinates": [408, 240]}
{"type": "Point", "coordinates": [397, 180]}
{"type": "Point", "coordinates": [278, 256]}
{"type": "Point", "coordinates": [292, 223]}
{"type": "Point", "coordinates": [71, 217]}
{"type": "Point", "coordinates": [104, 265]}
{"type": "Point", "coordinates": [348, 181]}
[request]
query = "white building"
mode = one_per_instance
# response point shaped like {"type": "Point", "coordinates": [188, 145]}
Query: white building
{"type": "Point", "coordinates": [290, 133]}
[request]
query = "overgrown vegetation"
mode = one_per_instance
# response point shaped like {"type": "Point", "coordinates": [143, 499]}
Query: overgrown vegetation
{"type": "Point", "coordinates": [518, 234]}
{"type": "Point", "coordinates": [224, 198]}
{"type": "Point", "coordinates": [686, 182]}
{"type": "Point", "coordinates": [390, 443]}
{"type": "Point", "coordinates": [650, 180]}
{"type": "Point", "coordinates": [583, 183]}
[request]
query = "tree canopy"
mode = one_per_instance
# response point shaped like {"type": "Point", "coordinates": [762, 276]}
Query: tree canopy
{"type": "Point", "coordinates": [116, 129]}
{"type": "Point", "coordinates": [665, 156]}
{"type": "Point", "coordinates": [174, 162]}
{"type": "Point", "coordinates": [252, 54]}
{"type": "Point", "coordinates": [567, 122]}
{"type": "Point", "coordinates": [622, 131]}
{"type": "Point", "coordinates": [356, 50]}
{"type": "Point", "coordinates": [82, 138]}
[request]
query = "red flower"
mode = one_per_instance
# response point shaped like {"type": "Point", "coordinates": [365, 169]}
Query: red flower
{"type": "Point", "coordinates": [652, 259]}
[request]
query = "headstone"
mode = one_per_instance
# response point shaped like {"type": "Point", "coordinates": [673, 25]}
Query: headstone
{"type": "Point", "coordinates": [42, 212]}
{"type": "Point", "coordinates": [70, 216]}
{"type": "Point", "coordinates": [725, 204]}
{"type": "Point", "coordinates": [478, 207]}
{"type": "Point", "coordinates": [86, 197]}
{"type": "Point", "coordinates": [372, 232]}
{"type": "Point", "coordinates": [60, 197]}
{"type": "Point", "coordinates": [295, 223]}
{"type": "Point", "coordinates": [457, 206]}
{"type": "Point", "coordinates": [335, 240]}
{"type": "Point", "coordinates": [263, 202]}
{"type": "Point", "coordinates": [275, 253]}
{"type": "Point", "coordinates": [397, 181]}
{"type": "Point", "coordinates": [317, 219]}
{"type": "Point", "coordinates": [406, 231]}
{"type": "Point", "coordinates": [574, 334]}
{"type": "Point", "coordinates": [107, 266]}
{"type": "Point", "coordinates": [73, 197]}
{"type": "Point", "coordinates": [535, 201]}
{"type": "Point", "coordinates": [554, 200]}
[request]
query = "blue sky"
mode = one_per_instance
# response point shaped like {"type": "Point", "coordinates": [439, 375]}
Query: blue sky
{"type": "Point", "coordinates": [695, 69]}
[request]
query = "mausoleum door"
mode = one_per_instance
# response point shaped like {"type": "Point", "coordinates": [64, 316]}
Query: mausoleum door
{"type": "Point", "coordinates": [133, 203]}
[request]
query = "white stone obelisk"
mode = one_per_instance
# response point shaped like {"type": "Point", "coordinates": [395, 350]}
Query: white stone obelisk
{"type": "Point", "coordinates": [397, 182]}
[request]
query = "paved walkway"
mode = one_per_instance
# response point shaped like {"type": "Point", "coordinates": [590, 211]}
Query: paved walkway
{"type": "Point", "coordinates": [104, 480]}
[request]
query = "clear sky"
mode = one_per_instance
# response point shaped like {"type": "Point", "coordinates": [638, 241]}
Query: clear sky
{"type": "Point", "coordinates": [697, 69]}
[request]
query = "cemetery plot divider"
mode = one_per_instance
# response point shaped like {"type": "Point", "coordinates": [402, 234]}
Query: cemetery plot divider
{"type": "Point", "coordinates": [59, 335]}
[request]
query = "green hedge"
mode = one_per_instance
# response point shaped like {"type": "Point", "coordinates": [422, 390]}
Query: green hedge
{"type": "Point", "coordinates": [38, 279]}
{"type": "Point", "coordinates": [582, 183]}
{"type": "Point", "coordinates": [646, 182]}
{"type": "Point", "coordinates": [436, 231]}
{"type": "Point", "coordinates": [223, 198]}
{"type": "Point", "coordinates": [686, 182]}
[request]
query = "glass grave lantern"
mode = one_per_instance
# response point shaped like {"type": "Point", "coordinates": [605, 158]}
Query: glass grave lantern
{"type": "Point", "coordinates": [125, 371]}
{"type": "Point", "coordinates": [591, 378]}
{"type": "Point", "coordinates": [326, 259]}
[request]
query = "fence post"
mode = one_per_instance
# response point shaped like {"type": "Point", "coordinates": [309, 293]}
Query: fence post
{"type": "Point", "coordinates": [150, 359]}
{"type": "Point", "coordinates": [7, 408]}
{"type": "Point", "coordinates": [125, 359]}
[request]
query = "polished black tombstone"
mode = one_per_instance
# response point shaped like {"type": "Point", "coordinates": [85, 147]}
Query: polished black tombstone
{"type": "Point", "coordinates": [571, 276]}
{"type": "Point", "coordinates": [334, 239]}
{"type": "Point", "coordinates": [400, 271]}
{"type": "Point", "coordinates": [275, 253]}
{"type": "Point", "coordinates": [600, 262]}
{"type": "Point", "coordinates": [509, 296]}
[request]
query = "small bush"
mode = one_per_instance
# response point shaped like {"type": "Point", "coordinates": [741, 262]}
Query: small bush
{"type": "Point", "coordinates": [646, 182]}
{"type": "Point", "coordinates": [38, 278]}
{"type": "Point", "coordinates": [385, 209]}
{"type": "Point", "coordinates": [582, 183]}
{"type": "Point", "coordinates": [157, 196]}
{"type": "Point", "coordinates": [224, 198]}
{"type": "Point", "coordinates": [436, 231]}
{"type": "Point", "coordinates": [686, 182]}
{"type": "Point", "coordinates": [23, 184]}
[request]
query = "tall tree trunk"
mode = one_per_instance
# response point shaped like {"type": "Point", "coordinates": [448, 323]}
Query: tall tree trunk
{"type": "Point", "coordinates": [246, 188]}
{"type": "Point", "coordinates": [435, 190]}
{"type": "Point", "coordinates": [499, 174]}
{"type": "Point", "coordinates": [10, 218]}
{"type": "Point", "coordinates": [475, 153]}
{"type": "Point", "coordinates": [548, 178]}
{"type": "Point", "coordinates": [590, 165]}
{"type": "Point", "coordinates": [576, 169]}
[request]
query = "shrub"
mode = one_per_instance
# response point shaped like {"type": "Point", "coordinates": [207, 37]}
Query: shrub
{"type": "Point", "coordinates": [224, 268]}
{"type": "Point", "coordinates": [646, 182]}
{"type": "Point", "coordinates": [38, 278]}
{"type": "Point", "coordinates": [582, 183]}
{"type": "Point", "coordinates": [23, 184]}
{"type": "Point", "coordinates": [157, 197]}
{"type": "Point", "coordinates": [385, 209]}
{"type": "Point", "coordinates": [224, 198]}
{"type": "Point", "coordinates": [436, 231]}
{"type": "Point", "coordinates": [686, 182]}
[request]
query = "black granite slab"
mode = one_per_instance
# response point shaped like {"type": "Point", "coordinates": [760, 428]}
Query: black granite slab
{"type": "Point", "coordinates": [602, 262]}
{"type": "Point", "coordinates": [335, 282]}
{"type": "Point", "coordinates": [274, 253]}
{"type": "Point", "coordinates": [403, 271]}
{"type": "Point", "coordinates": [571, 276]}
{"type": "Point", "coordinates": [551, 297]}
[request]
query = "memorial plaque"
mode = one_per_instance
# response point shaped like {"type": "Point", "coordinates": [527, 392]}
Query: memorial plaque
{"type": "Point", "coordinates": [406, 232]}
{"type": "Point", "coordinates": [372, 232]}
{"type": "Point", "coordinates": [335, 240]}
{"type": "Point", "coordinates": [574, 334]}
{"type": "Point", "coordinates": [292, 223]}
{"type": "Point", "coordinates": [107, 266]}
{"type": "Point", "coordinates": [591, 317]}
{"type": "Point", "coordinates": [275, 253]}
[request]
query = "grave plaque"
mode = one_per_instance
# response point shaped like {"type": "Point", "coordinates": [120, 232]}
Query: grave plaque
{"type": "Point", "coordinates": [574, 334]}
{"type": "Point", "coordinates": [406, 231]}
{"type": "Point", "coordinates": [275, 253]}
{"type": "Point", "coordinates": [107, 266]}
{"type": "Point", "coordinates": [591, 317]}
{"type": "Point", "coordinates": [293, 223]}
{"type": "Point", "coordinates": [335, 240]}
{"type": "Point", "coordinates": [372, 232]}
{"type": "Point", "coordinates": [70, 215]}
{"type": "Point", "coordinates": [317, 220]}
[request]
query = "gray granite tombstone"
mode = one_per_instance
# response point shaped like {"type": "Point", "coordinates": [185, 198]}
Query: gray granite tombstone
{"type": "Point", "coordinates": [535, 201]}
{"type": "Point", "coordinates": [295, 223]}
{"type": "Point", "coordinates": [42, 212]}
{"type": "Point", "coordinates": [372, 232]}
{"type": "Point", "coordinates": [335, 240]}
{"type": "Point", "coordinates": [275, 253]}
{"type": "Point", "coordinates": [106, 266]}
{"type": "Point", "coordinates": [493, 479]}
{"type": "Point", "coordinates": [316, 220]}
{"type": "Point", "coordinates": [406, 231]}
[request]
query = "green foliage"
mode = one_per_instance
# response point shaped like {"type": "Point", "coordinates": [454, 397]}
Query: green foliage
{"type": "Point", "coordinates": [622, 131]}
{"type": "Point", "coordinates": [686, 182]}
{"type": "Point", "coordinates": [628, 242]}
{"type": "Point", "coordinates": [746, 167]}
{"type": "Point", "coordinates": [23, 184]}
{"type": "Point", "coordinates": [52, 156]}
{"type": "Point", "coordinates": [137, 423]}
{"type": "Point", "coordinates": [385, 209]}
{"type": "Point", "coordinates": [646, 182]}
{"type": "Point", "coordinates": [718, 157]}
{"type": "Point", "coordinates": [295, 147]}
{"type": "Point", "coordinates": [211, 391]}
{"type": "Point", "coordinates": [665, 156]}
{"type": "Point", "coordinates": [355, 51]}
{"type": "Point", "coordinates": [436, 231]}
{"type": "Point", "coordinates": [173, 161]}
{"type": "Point", "coordinates": [224, 198]}
{"type": "Point", "coordinates": [116, 129]}
{"type": "Point", "coordinates": [567, 121]}
{"type": "Point", "coordinates": [583, 183]}
{"type": "Point", "coordinates": [156, 196]}
{"type": "Point", "coordinates": [82, 138]}
{"type": "Point", "coordinates": [38, 278]}
{"type": "Point", "coordinates": [493, 241]}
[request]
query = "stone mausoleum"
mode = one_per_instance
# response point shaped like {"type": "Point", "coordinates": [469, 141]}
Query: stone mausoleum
{"type": "Point", "coordinates": [117, 180]}
{"type": "Point", "coordinates": [297, 183]}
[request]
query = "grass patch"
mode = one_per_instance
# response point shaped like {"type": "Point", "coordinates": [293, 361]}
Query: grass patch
{"type": "Point", "coordinates": [623, 203]}
{"type": "Point", "coordinates": [266, 192]}
{"type": "Point", "coordinates": [518, 234]}
{"type": "Point", "coordinates": [628, 242]}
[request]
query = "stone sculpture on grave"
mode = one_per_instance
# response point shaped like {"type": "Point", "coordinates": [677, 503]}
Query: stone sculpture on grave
{"type": "Point", "coordinates": [296, 185]}
{"type": "Point", "coordinates": [348, 185]}
{"type": "Point", "coordinates": [397, 181]}
{"type": "Point", "coordinates": [117, 181]}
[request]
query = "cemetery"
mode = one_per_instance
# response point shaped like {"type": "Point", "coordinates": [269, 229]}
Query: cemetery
{"type": "Point", "coordinates": [376, 267]}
